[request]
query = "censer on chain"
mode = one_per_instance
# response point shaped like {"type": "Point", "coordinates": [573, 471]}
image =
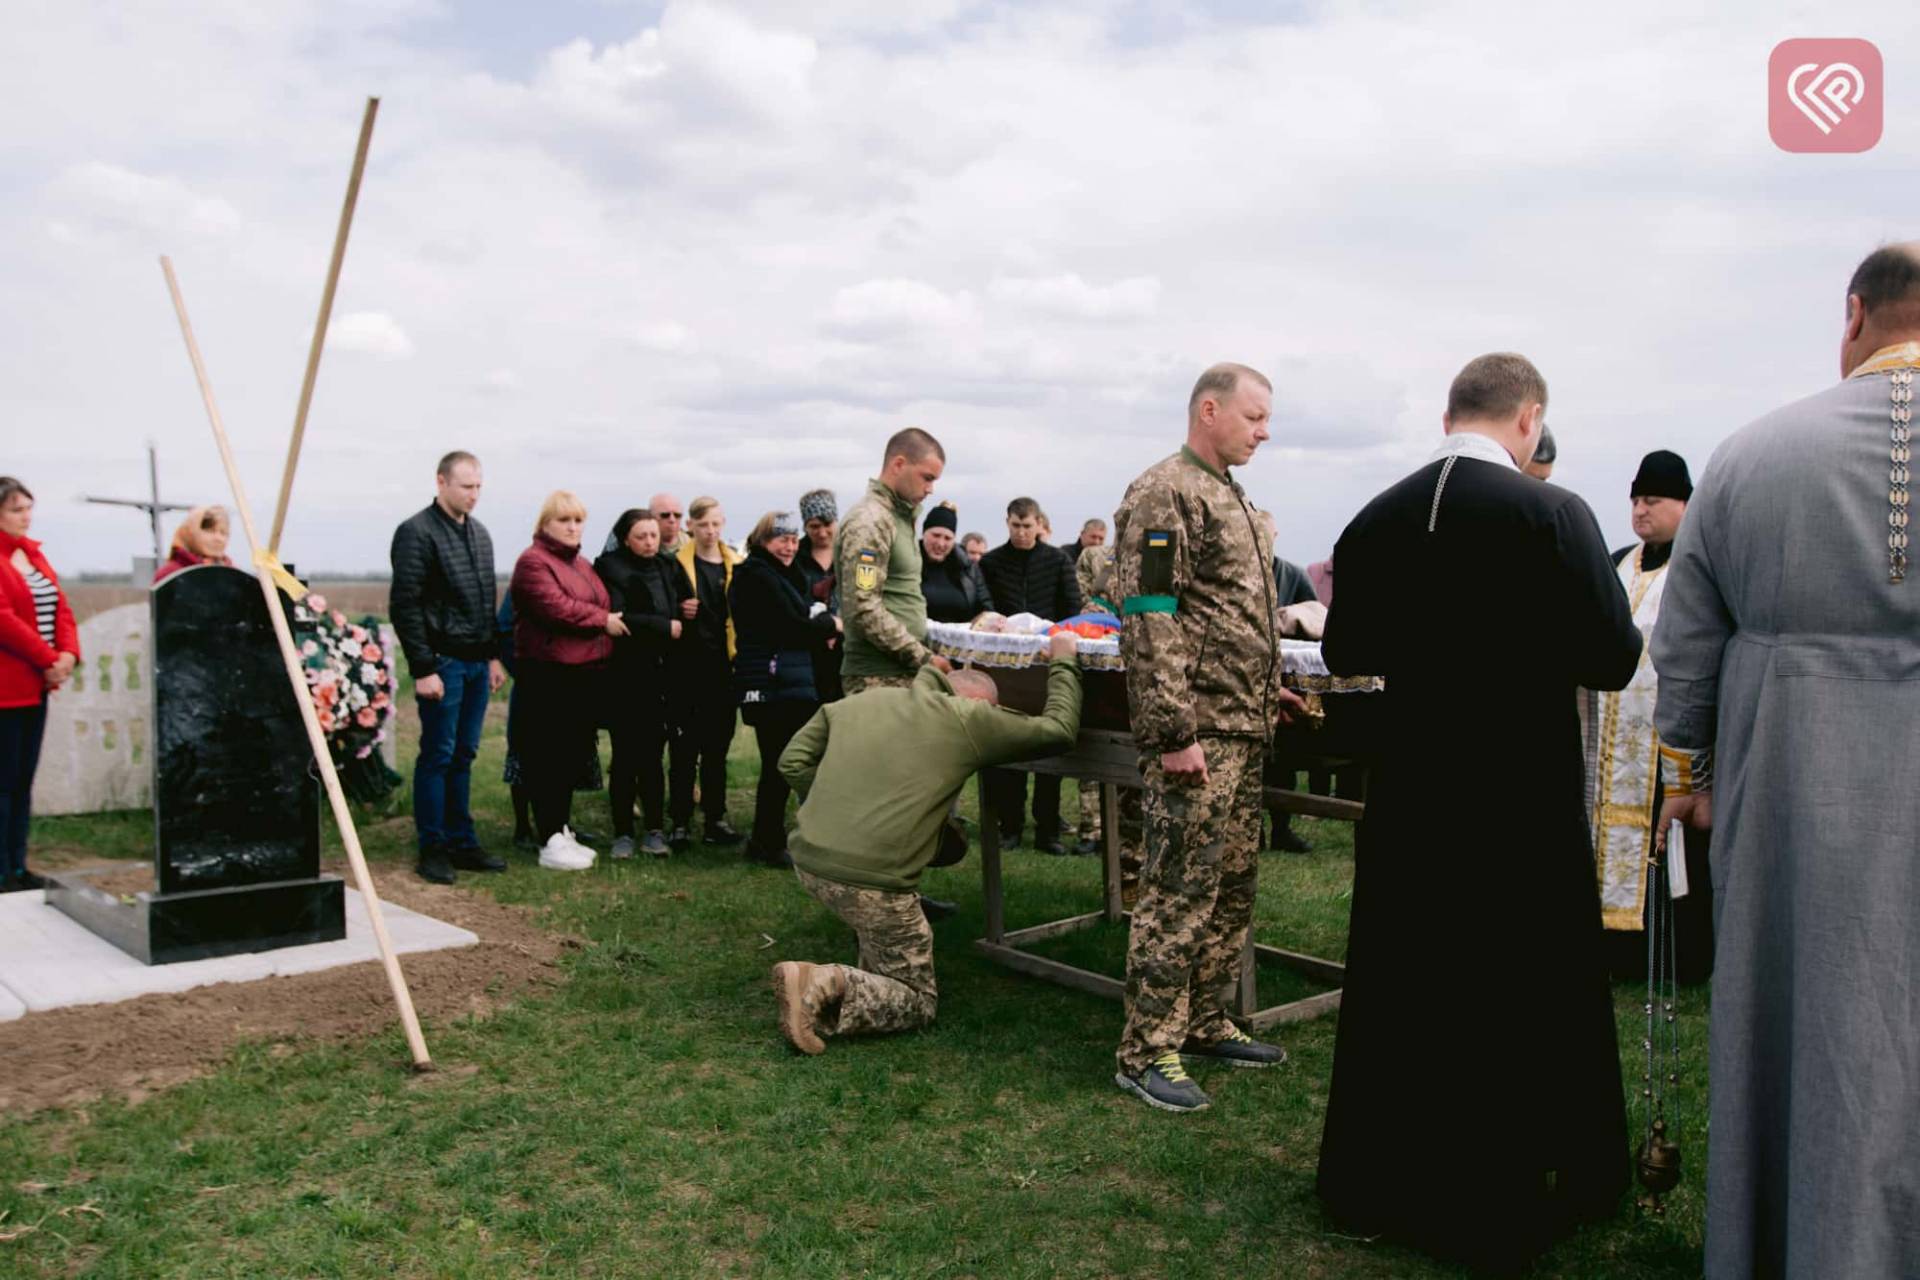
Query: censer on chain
{"type": "Point", "coordinates": [1658, 1161]}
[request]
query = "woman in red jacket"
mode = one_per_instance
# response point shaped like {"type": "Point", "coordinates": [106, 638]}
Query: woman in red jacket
{"type": "Point", "coordinates": [200, 539]}
{"type": "Point", "coordinates": [562, 639]}
{"type": "Point", "coordinates": [39, 647]}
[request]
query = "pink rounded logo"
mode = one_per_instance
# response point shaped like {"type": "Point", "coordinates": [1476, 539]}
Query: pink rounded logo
{"type": "Point", "coordinates": [1825, 95]}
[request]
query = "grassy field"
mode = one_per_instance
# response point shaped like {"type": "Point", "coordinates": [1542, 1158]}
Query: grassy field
{"type": "Point", "coordinates": [645, 1119]}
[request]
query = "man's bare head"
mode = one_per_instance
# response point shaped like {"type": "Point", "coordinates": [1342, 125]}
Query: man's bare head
{"type": "Point", "coordinates": [1228, 413]}
{"type": "Point", "coordinates": [978, 685]}
{"type": "Point", "coordinates": [1883, 303]}
{"type": "Point", "coordinates": [1500, 395]}
{"type": "Point", "coordinates": [911, 463]}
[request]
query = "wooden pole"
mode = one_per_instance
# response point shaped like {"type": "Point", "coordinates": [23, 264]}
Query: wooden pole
{"type": "Point", "coordinates": [320, 326]}
{"type": "Point", "coordinates": [316, 737]}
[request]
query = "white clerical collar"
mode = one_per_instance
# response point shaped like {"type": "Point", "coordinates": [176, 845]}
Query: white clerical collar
{"type": "Point", "coordinates": [1471, 444]}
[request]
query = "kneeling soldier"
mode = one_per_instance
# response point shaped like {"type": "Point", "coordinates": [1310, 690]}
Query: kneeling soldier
{"type": "Point", "coordinates": [877, 773]}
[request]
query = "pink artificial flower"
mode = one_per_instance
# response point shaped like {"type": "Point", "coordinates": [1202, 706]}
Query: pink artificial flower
{"type": "Point", "coordinates": [339, 618]}
{"type": "Point", "coordinates": [326, 720]}
{"type": "Point", "coordinates": [317, 603]}
{"type": "Point", "coordinates": [363, 752]}
{"type": "Point", "coordinates": [358, 632]}
{"type": "Point", "coordinates": [379, 700]}
{"type": "Point", "coordinates": [366, 717]}
{"type": "Point", "coordinates": [371, 652]}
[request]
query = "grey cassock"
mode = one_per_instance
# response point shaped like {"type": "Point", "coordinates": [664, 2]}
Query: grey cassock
{"type": "Point", "coordinates": [1783, 645]}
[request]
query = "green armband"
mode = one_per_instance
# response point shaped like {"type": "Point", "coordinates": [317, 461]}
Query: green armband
{"type": "Point", "coordinates": [1149, 604]}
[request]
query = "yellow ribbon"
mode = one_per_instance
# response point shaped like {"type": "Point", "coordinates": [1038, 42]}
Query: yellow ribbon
{"type": "Point", "coordinates": [278, 572]}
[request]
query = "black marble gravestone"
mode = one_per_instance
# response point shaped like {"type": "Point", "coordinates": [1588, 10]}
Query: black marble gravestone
{"type": "Point", "coordinates": [236, 797]}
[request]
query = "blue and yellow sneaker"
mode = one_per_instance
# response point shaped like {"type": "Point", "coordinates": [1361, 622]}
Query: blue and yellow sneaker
{"type": "Point", "coordinates": [1236, 1049]}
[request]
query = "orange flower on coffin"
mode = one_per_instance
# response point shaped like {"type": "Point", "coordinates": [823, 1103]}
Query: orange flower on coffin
{"type": "Point", "coordinates": [366, 717]}
{"type": "Point", "coordinates": [326, 719]}
{"type": "Point", "coordinates": [371, 652]}
{"type": "Point", "coordinates": [326, 695]}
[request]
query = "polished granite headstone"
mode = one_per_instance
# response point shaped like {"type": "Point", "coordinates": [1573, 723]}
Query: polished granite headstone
{"type": "Point", "coordinates": [236, 797]}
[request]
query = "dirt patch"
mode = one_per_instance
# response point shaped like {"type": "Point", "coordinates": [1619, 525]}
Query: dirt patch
{"type": "Point", "coordinates": [125, 881]}
{"type": "Point", "coordinates": [136, 1047]}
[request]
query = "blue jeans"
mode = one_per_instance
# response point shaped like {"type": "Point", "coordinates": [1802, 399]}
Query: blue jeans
{"type": "Point", "coordinates": [449, 739]}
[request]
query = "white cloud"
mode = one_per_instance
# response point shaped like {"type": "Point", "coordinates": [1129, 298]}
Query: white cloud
{"type": "Point", "coordinates": [1068, 295]}
{"type": "Point", "coordinates": [500, 382]}
{"type": "Point", "coordinates": [664, 336]}
{"type": "Point", "coordinates": [374, 333]}
{"type": "Point", "coordinates": [880, 308]}
{"type": "Point", "coordinates": [112, 197]}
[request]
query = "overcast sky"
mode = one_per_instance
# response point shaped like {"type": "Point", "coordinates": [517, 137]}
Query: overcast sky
{"type": "Point", "coordinates": [620, 246]}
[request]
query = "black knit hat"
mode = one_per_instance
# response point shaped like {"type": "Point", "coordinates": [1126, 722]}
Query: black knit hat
{"type": "Point", "coordinates": [1662, 474]}
{"type": "Point", "coordinates": [945, 516]}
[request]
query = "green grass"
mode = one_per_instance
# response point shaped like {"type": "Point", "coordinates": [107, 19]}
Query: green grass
{"type": "Point", "coordinates": [644, 1119]}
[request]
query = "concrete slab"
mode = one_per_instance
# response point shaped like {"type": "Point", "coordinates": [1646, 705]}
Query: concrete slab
{"type": "Point", "coordinates": [49, 961]}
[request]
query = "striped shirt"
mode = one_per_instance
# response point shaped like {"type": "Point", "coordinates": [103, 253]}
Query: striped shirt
{"type": "Point", "coordinates": [46, 597]}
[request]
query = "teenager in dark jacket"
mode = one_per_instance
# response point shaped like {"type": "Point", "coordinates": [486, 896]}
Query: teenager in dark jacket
{"type": "Point", "coordinates": [701, 704]}
{"type": "Point", "coordinates": [645, 588]}
{"type": "Point", "coordinates": [563, 639]}
{"type": "Point", "coordinates": [1025, 575]}
{"type": "Point", "coordinates": [949, 578]}
{"type": "Point", "coordinates": [820, 518]}
{"type": "Point", "coordinates": [777, 629]}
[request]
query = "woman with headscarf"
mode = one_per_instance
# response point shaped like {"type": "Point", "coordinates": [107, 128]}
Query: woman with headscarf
{"type": "Point", "coordinates": [646, 588]}
{"type": "Point", "coordinates": [778, 628]}
{"type": "Point", "coordinates": [200, 539]}
{"type": "Point", "coordinates": [949, 577]}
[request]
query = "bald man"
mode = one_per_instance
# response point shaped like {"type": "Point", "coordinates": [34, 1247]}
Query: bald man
{"type": "Point", "coordinates": [877, 773]}
{"type": "Point", "coordinates": [672, 515]}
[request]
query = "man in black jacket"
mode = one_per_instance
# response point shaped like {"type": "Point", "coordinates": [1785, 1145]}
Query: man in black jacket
{"type": "Point", "coordinates": [1025, 575]}
{"type": "Point", "coordinates": [442, 607]}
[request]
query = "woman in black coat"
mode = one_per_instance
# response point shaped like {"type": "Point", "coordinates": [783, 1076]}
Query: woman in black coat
{"type": "Point", "coordinates": [646, 589]}
{"type": "Point", "coordinates": [776, 627]}
{"type": "Point", "coordinates": [949, 579]}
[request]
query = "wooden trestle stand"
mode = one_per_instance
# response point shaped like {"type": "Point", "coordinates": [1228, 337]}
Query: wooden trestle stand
{"type": "Point", "coordinates": [1110, 756]}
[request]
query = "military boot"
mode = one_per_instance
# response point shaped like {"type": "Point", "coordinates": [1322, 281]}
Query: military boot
{"type": "Point", "coordinates": [804, 991]}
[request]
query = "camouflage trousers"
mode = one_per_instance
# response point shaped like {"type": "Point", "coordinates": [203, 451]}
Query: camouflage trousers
{"type": "Point", "coordinates": [859, 684]}
{"type": "Point", "coordinates": [1196, 901]}
{"type": "Point", "coordinates": [893, 987]}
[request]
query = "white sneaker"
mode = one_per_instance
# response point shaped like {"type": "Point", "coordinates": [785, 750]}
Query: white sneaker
{"type": "Point", "coordinates": [562, 852]}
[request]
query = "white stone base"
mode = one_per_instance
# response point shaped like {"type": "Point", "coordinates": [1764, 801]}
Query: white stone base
{"type": "Point", "coordinates": [49, 961]}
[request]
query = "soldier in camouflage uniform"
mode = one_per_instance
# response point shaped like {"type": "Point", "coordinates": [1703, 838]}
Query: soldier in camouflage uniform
{"type": "Point", "coordinates": [876, 561]}
{"type": "Point", "coordinates": [1193, 571]}
{"type": "Point", "coordinates": [1093, 570]}
{"type": "Point", "coordinates": [872, 818]}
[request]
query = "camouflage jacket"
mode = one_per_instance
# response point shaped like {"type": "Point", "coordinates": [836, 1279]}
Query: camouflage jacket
{"type": "Point", "coordinates": [876, 563]}
{"type": "Point", "coordinates": [1193, 575]}
{"type": "Point", "coordinates": [1094, 571]}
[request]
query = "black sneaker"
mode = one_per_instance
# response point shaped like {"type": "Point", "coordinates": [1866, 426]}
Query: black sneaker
{"type": "Point", "coordinates": [680, 841]}
{"type": "Point", "coordinates": [935, 909]}
{"type": "Point", "coordinates": [435, 866]}
{"type": "Point", "coordinates": [24, 880]}
{"type": "Point", "coordinates": [655, 845]}
{"type": "Point", "coordinates": [1009, 841]}
{"type": "Point", "coordinates": [1165, 1085]}
{"type": "Point", "coordinates": [1053, 847]}
{"type": "Point", "coordinates": [1087, 848]}
{"type": "Point", "coordinates": [474, 858]}
{"type": "Point", "coordinates": [720, 831]}
{"type": "Point", "coordinates": [769, 857]}
{"type": "Point", "coordinates": [1236, 1049]}
{"type": "Point", "coordinates": [526, 842]}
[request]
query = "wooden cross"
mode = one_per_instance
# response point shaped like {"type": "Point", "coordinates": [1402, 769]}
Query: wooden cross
{"type": "Point", "coordinates": [151, 505]}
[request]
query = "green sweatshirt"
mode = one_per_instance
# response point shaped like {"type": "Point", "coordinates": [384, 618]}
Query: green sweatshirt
{"type": "Point", "coordinates": [877, 772]}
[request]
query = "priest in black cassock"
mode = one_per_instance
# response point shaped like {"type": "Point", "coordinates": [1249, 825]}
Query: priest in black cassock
{"type": "Point", "coordinates": [1476, 1109]}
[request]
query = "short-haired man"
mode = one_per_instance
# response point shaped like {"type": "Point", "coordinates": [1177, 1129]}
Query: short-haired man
{"type": "Point", "coordinates": [1473, 855]}
{"type": "Point", "coordinates": [1025, 575]}
{"type": "Point", "coordinates": [1623, 748]}
{"type": "Point", "coordinates": [1194, 572]}
{"type": "Point", "coordinates": [1092, 534]}
{"type": "Point", "coordinates": [871, 819]}
{"type": "Point", "coordinates": [442, 606]}
{"type": "Point", "coordinates": [877, 569]}
{"type": "Point", "coordinates": [974, 544]}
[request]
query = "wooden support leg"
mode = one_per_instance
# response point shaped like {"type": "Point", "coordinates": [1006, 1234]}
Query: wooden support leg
{"type": "Point", "coordinates": [1110, 849]}
{"type": "Point", "coordinates": [990, 885]}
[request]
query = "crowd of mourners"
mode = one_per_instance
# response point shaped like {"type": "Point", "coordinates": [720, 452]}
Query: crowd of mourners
{"type": "Point", "coordinates": [663, 635]}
